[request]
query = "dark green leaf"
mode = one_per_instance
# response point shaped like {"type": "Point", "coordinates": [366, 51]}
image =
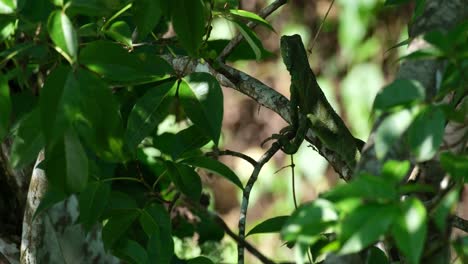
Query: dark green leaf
{"type": "Point", "coordinates": [375, 255]}
{"type": "Point", "coordinates": [396, 170]}
{"type": "Point", "coordinates": [160, 248]}
{"type": "Point", "coordinates": [132, 252]}
{"type": "Point", "coordinates": [156, 223]}
{"type": "Point", "coordinates": [455, 165]}
{"type": "Point", "coordinates": [188, 20]}
{"type": "Point", "coordinates": [186, 180]}
{"type": "Point", "coordinates": [117, 226]}
{"type": "Point", "coordinates": [426, 133]}
{"type": "Point", "coordinates": [92, 202]}
{"type": "Point", "coordinates": [363, 226]}
{"type": "Point", "coordinates": [272, 225]}
{"type": "Point", "coordinates": [119, 203]}
{"type": "Point", "coordinates": [63, 35]}
{"type": "Point", "coordinates": [365, 187]}
{"type": "Point", "coordinates": [215, 167]}
{"type": "Point", "coordinates": [51, 197]}
{"type": "Point", "coordinates": [438, 39]}
{"type": "Point", "coordinates": [92, 7]}
{"type": "Point", "coordinates": [88, 30]}
{"type": "Point", "coordinates": [461, 247]}
{"type": "Point", "coordinates": [309, 220]}
{"type": "Point", "coordinates": [147, 14]}
{"type": "Point", "coordinates": [148, 112]}
{"type": "Point", "coordinates": [390, 131]}
{"type": "Point", "coordinates": [200, 260]}
{"type": "Point", "coordinates": [251, 17]}
{"type": "Point", "coordinates": [182, 143]}
{"type": "Point", "coordinates": [202, 99]}
{"type": "Point", "coordinates": [251, 38]}
{"type": "Point", "coordinates": [113, 62]}
{"type": "Point", "coordinates": [28, 141]}
{"type": "Point", "coordinates": [409, 230]}
{"type": "Point", "coordinates": [445, 208]}
{"type": "Point", "coordinates": [154, 218]}
{"type": "Point", "coordinates": [396, 2]}
{"type": "Point", "coordinates": [5, 107]}
{"type": "Point", "coordinates": [120, 32]}
{"type": "Point", "coordinates": [400, 92]}
{"type": "Point", "coordinates": [67, 164]}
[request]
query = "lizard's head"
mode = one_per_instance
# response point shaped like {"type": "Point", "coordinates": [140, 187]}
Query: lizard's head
{"type": "Point", "coordinates": [293, 52]}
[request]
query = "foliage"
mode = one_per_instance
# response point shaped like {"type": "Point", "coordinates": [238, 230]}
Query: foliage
{"type": "Point", "coordinates": [88, 83]}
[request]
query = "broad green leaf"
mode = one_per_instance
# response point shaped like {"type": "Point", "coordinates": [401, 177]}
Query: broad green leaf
{"type": "Point", "coordinates": [114, 63]}
{"type": "Point", "coordinates": [67, 164]}
{"type": "Point", "coordinates": [5, 107]}
{"type": "Point", "coordinates": [148, 112]}
{"type": "Point", "coordinates": [186, 180]}
{"type": "Point", "coordinates": [444, 208]}
{"type": "Point", "coordinates": [375, 255]}
{"type": "Point", "coordinates": [396, 170]}
{"type": "Point", "coordinates": [251, 17]}
{"type": "Point", "coordinates": [214, 166]}
{"type": "Point", "coordinates": [88, 30]}
{"type": "Point", "coordinates": [396, 2]}
{"type": "Point", "coordinates": [92, 7]}
{"type": "Point", "coordinates": [7, 27]}
{"type": "Point", "coordinates": [119, 203]}
{"type": "Point", "coordinates": [117, 226]}
{"type": "Point", "coordinates": [455, 165]}
{"type": "Point", "coordinates": [183, 143]}
{"type": "Point", "coordinates": [63, 35]}
{"type": "Point", "coordinates": [92, 200]}
{"type": "Point", "coordinates": [147, 14]}
{"type": "Point", "coordinates": [202, 99]}
{"type": "Point", "coordinates": [390, 131]}
{"type": "Point", "coordinates": [156, 223]}
{"type": "Point", "coordinates": [120, 32]}
{"type": "Point", "coordinates": [27, 140]}
{"type": "Point", "coordinates": [272, 225]}
{"type": "Point", "coordinates": [188, 20]}
{"type": "Point", "coordinates": [399, 92]}
{"type": "Point", "coordinates": [426, 133]}
{"type": "Point", "coordinates": [365, 186]}
{"type": "Point", "coordinates": [363, 226]}
{"type": "Point", "coordinates": [438, 39]}
{"type": "Point", "coordinates": [200, 260]}
{"type": "Point", "coordinates": [309, 220]}
{"type": "Point", "coordinates": [50, 198]}
{"type": "Point", "coordinates": [409, 229]}
{"type": "Point", "coordinates": [251, 38]}
{"type": "Point", "coordinates": [57, 102]}
{"type": "Point", "coordinates": [461, 247]}
{"type": "Point", "coordinates": [207, 228]}
{"type": "Point", "coordinates": [7, 6]}
{"type": "Point", "coordinates": [132, 252]}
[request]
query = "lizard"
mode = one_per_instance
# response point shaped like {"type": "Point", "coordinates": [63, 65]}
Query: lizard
{"type": "Point", "coordinates": [309, 108]}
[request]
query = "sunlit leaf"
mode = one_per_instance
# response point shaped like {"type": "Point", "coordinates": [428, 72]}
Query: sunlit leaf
{"type": "Point", "coordinates": [455, 165]}
{"type": "Point", "coordinates": [390, 131]}
{"type": "Point", "coordinates": [120, 32]}
{"type": "Point", "coordinates": [251, 16]}
{"type": "Point", "coordinates": [251, 38]}
{"type": "Point", "coordinates": [400, 92]}
{"type": "Point", "coordinates": [396, 170]}
{"type": "Point", "coordinates": [63, 34]}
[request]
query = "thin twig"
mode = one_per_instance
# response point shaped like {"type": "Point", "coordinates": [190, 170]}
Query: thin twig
{"type": "Point", "coordinates": [246, 194]}
{"type": "Point", "coordinates": [460, 223]}
{"type": "Point", "coordinates": [293, 176]}
{"type": "Point", "coordinates": [237, 39]}
{"type": "Point", "coordinates": [309, 50]}
{"type": "Point", "coordinates": [234, 154]}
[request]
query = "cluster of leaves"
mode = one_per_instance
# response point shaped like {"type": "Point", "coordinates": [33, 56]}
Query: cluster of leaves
{"type": "Point", "coordinates": [84, 81]}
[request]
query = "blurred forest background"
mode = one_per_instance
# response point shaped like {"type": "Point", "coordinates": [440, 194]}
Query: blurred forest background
{"type": "Point", "coordinates": [352, 58]}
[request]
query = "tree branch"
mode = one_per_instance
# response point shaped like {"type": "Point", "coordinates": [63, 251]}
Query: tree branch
{"type": "Point", "coordinates": [460, 223]}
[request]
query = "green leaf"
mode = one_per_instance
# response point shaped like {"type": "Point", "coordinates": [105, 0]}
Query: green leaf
{"type": "Point", "coordinates": [156, 223]}
{"type": "Point", "coordinates": [409, 230]}
{"type": "Point", "coordinates": [202, 99]}
{"type": "Point", "coordinates": [27, 141]}
{"type": "Point", "coordinates": [63, 35]}
{"type": "Point", "coordinates": [375, 255]}
{"type": "Point", "coordinates": [5, 107]}
{"type": "Point", "coordinates": [132, 252]}
{"type": "Point", "coordinates": [93, 200]}
{"type": "Point", "coordinates": [455, 165]}
{"type": "Point", "coordinates": [92, 7]}
{"type": "Point", "coordinates": [396, 170]}
{"type": "Point", "coordinates": [200, 260]}
{"type": "Point", "coordinates": [114, 63]}
{"type": "Point", "coordinates": [148, 112]}
{"type": "Point", "coordinates": [426, 133]}
{"type": "Point", "coordinates": [363, 226]}
{"type": "Point", "coordinates": [120, 32]}
{"type": "Point", "coordinates": [119, 203]}
{"type": "Point", "coordinates": [272, 225]}
{"type": "Point", "coordinates": [390, 131]}
{"type": "Point", "coordinates": [251, 38]}
{"type": "Point", "coordinates": [182, 143]}
{"type": "Point", "coordinates": [7, 6]}
{"type": "Point", "coordinates": [146, 14]}
{"type": "Point", "coordinates": [7, 27]}
{"type": "Point", "coordinates": [50, 198]}
{"type": "Point", "coordinates": [365, 186]}
{"type": "Point", "coordinates": [188, 20]}
{"type": "Point", "coordinates": [214, 166]}
{"type": "Point", "coordinates": [461, 247]}
{"type": "Point", "coordinates": [251, 17]}
{"type": "Point", "coordinates": [396, 2]}
{"type": "Point", "coordinates": [445, 207]}
{"type": "Point", "coordinates": [160, 248]}
{"type": "Point", "coordinates": [309, 220]}
{"type": "Point", "coordinates": [399, 92]}
{"type": "Point", "coordinates": [117, 226]}
{"type": "Point", "coordinates": [186, 180]}
{"type": "Point", "coordinates": [438, 39]}
{"type": "Point", "coordinates": [67, 164]}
